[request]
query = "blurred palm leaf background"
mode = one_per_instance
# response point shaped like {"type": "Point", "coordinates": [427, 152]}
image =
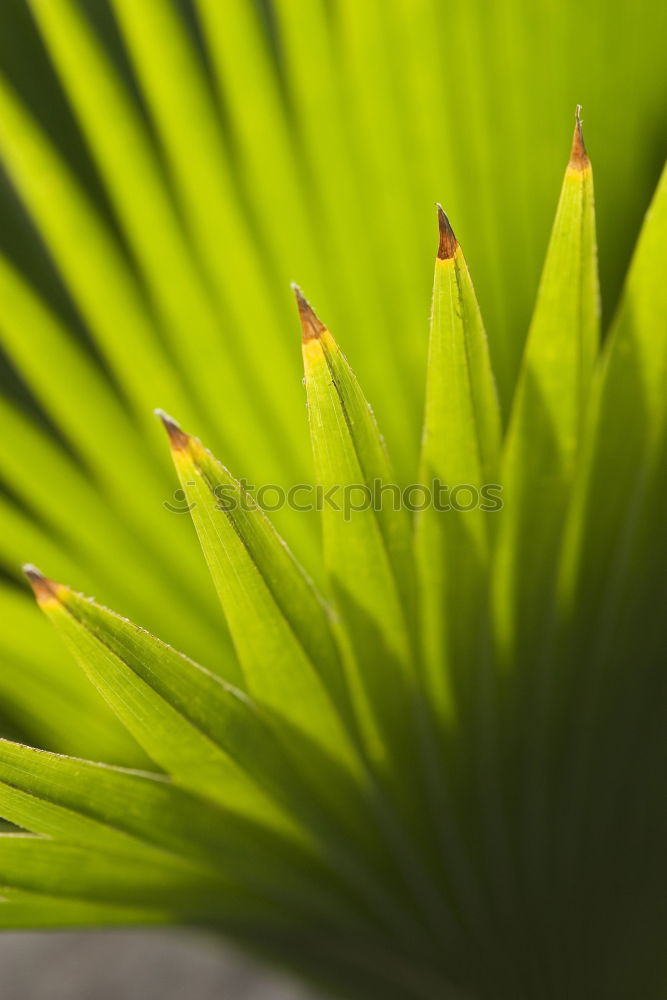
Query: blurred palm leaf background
{"type": "Point", "coordinates": [169, 168]}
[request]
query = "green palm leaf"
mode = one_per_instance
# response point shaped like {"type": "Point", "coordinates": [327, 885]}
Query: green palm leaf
{"type": "Point", "coordinates": [437, 770]}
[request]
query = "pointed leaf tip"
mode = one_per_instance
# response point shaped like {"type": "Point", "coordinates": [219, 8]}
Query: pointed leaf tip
{"type": "Point", "coordinates": [578, 157]}
{"type": "Point", "coordinates": [448, 242]}
{"type": "Point", "coordinates": [311, 326]}
{"type": "Point", "coordinates": [177, 438]}
{"type": "Point", "coordinates": [43, 588]}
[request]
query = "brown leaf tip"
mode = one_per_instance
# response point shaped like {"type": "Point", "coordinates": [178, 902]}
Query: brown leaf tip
{"type": "Point", "coordinates": [43, 588]}
{"type": "Point", "coordinates": [177, 438]}
{"type": "Point", "coordinates": [448, 242]}
{"type": "Point", "coordinates": [312, 327]}
{"type": "Point", "coordinates": [578, 157]}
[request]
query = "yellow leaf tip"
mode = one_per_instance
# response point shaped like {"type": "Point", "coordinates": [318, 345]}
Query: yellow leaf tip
{"type": "Point", "coordinates": [448, 244]}
{"type": "Point", "coordinates": [578, 157]}
{"type": "Point", "coordinates": [177, 438]}
{"type": "Point", "coordinates": [43, 588]}
{"type": "Point", "coordinates": [311, 326]}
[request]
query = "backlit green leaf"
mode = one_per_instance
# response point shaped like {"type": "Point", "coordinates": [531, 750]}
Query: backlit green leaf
{"type": "Point", "coordinates": [545, 428]}
{"type": "Point", "coordinates": [459, 469]}
{"type": "Point", "coordinates": [281, 628]}
{"type": "Point", "coordinates": [366, 544]}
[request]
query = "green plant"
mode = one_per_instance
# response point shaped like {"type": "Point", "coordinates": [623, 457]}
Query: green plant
{"type": "Point", "coordinates": [445, 776]}
{"type": "Point", "coordinates": [450, 784]}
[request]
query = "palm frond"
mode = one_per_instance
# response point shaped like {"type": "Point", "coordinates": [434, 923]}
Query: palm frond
{"type": "Point", "coordinates": [428, 759]}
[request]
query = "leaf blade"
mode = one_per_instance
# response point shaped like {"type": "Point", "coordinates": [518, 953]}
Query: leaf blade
{"type": "Point", "coordinates": [460, 452]}
{"type": "Point", "coordinates": [280, 626]}
{"type": "Point", "coordinates": [546, 423]}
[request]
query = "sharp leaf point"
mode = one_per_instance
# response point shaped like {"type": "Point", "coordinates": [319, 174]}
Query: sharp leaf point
{"type": "Point", "coordinates": [448, 244]}
{"type": "Point", "coordinates": [312, 327]}
{"type": "Point", "coordinates": [43, 588]}
{"type": "Point", "coordinates": [177, 438]}
{"type": "Point", "coordinates": [578, 157]}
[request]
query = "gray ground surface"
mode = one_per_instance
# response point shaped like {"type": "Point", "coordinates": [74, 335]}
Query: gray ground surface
{"type": "Point", "coordinates": [134, 965]}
